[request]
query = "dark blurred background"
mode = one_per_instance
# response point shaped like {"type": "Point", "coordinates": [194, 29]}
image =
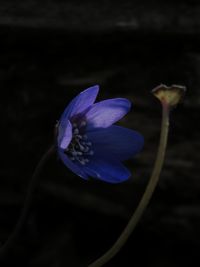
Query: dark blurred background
{"type": "Point", "coordinates": [52, 50]}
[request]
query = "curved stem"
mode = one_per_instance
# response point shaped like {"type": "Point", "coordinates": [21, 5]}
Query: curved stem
{"type": "Point", "coordinates": [146, 196]}
{"type": "Point", "coordinates": [27, 203]}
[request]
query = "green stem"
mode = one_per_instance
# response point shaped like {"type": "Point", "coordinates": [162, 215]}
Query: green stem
{"type": "Point", "coordinates": [146, 196]}
{"type": "Point", "coordinates": [4, 250]}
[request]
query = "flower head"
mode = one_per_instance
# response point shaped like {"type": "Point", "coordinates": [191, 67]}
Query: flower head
{"type": "Point", "coordinates": [169, 96]}
{"type": "Point", "coordinates": [88, 142]}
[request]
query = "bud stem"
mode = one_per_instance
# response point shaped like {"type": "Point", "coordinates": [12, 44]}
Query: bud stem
{"type": "Point", "coordinates": [146, 196]}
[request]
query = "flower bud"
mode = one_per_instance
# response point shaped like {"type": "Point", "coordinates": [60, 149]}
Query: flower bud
{"type": "Point", "coordinates": [169, 96]}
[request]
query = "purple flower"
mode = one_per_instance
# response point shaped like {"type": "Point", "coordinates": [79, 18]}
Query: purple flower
{"type": "Point", "coordinates": [88, 142]}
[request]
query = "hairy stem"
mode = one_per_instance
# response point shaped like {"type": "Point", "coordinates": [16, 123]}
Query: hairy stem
{"type": "Point", "coordinates": [4, 250]}
{"type": "Point", "coordinates": [146, 196]}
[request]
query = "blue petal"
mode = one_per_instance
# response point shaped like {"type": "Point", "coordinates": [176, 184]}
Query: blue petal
{"type": "Point", "coordinates": [64, 134]}
{"type": "Point", "coordinates": [118, 142]}
{"type": "Point", "coordinates": [75, 168]}
{"type": "Point", "coordinates": [80, 103]}
{"type": "Point", "coordinates": [105, 113]}
{"type": "Point", "coordinates": [107, 170]}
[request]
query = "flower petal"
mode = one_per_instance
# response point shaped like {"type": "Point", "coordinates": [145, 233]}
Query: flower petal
{"type": "Point", "coordinates": [107, 170]}
{"type": "Point", "coordinates": [81, 102]}
{"type": "Point", "coordinates": [75, 168]}
{"type": "Point", "coordinates": [105, 113]}
{"type": "Point", "coordinates": [118, 142]}
{"type": "Point", "coordinates": [64, 134]}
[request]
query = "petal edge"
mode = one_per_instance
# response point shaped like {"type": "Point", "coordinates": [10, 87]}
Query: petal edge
{"type": "Point", "coordinates": [105, 113]}
{"type": "Point", "coordinates": [81, 102]}
{"type": "Point", "coordinates": [108, 171]}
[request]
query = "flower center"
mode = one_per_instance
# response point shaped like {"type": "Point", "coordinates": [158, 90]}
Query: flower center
{"type": "Point", "coordinates": [80, 148]}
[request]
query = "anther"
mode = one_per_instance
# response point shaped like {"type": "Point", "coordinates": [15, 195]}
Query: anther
{"type": "Point", "coordinates": [76, 131]}
{"type": "Point", "coordinates": [83, 123]}
{"type": "Point", "coordinates": [85, 137]}
{"type": "Point", "coordinates": [89, 143]}
{"type": "Point", "coordinates": [86, 149]}
{"type": "Point", "coordinates": [74, 153]}
{"type": "Point", "coordinates": [82, 148]}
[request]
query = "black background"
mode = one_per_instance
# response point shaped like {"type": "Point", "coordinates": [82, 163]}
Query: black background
{"type": "Point", "coordinates": [52, 50]}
